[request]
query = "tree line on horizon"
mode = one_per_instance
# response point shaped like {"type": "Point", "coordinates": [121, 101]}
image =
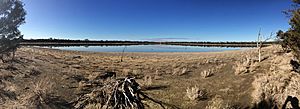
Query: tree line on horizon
{"type": "Point", "coordinates": [154, 42]}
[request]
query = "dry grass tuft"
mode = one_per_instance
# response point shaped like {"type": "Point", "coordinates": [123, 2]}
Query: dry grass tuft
{"type": "Point", "coordinates": [195, 93]}
{"type": "Point", "coordinates": [138, 73]}
{"type": "Point", "coordinates": [34, 71]}
{"type": "Point", "coordinates": [183, 72]}
{"type": "Point", "coordinates": [7, 92]}
{"type": "Point", "coordinates": [220, 66]}
{"type": "Point", "coordinates": [127, 72]}
{"type": "Point", "coordinates": [5, 75]}
{"type": "Point", "coordinates": [94, 106]}
{"type": "Point", "coordinates": [243, 66]}
{"type": "Point", "coordinates": [207, 73]}
{"type": "Point", "coordinates": [147, 81]}
{"type": "Point", "coordinates": [175, 71]}
{"type": "Point", "coordinates": [180, 71]}
{"type": "Point", "coordinates": [217, 103]}
{"type": "Point", "coordinates": [41, 96]}
{"type": "Point", "coordinates": [157, 75]}
{"type": "Point", "coordinates": [44, 85]}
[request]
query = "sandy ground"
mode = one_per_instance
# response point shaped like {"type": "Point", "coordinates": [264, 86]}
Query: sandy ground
{"type": "Point", "coordinates": [171, 73]}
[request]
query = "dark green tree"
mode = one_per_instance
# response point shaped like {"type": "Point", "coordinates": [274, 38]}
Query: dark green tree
{"type": "Point", "coordinates": [290, 40]}
{"type": "Point", "coordinates": [12, 15]}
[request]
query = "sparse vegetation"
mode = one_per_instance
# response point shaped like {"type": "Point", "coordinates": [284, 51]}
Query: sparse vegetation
{"type": "Point", "coordinates": [278, 82]}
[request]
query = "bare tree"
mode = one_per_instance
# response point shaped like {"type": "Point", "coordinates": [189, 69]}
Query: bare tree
{"type": "Point", "coordinates": [260, 43]}
{"type": "Point", "coordinates": [258, 38]}
{"type": "Point", "coordinates": [12, 15]}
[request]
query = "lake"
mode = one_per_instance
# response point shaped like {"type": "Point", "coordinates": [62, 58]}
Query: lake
{"type": "Point", "coordinates": [148, 48]}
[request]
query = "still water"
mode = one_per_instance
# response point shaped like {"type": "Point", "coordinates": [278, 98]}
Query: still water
{"type": "Point", "coordinates": [147, 48]}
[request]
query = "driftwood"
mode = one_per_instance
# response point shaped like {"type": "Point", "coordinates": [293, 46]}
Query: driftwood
{"type": "Point", "coordinates": [117, 94]}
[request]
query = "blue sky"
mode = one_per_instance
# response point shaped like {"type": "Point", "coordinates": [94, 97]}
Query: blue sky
{"type": "Point", "coordinates": [177, 20]}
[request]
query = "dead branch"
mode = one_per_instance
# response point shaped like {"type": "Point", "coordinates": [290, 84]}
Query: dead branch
{"type": "Point", "coordinates": [266, 39]}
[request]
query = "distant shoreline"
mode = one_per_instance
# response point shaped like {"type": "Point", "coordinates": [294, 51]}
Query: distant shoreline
{"type": "Point", "coordinates": [60, 42]}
